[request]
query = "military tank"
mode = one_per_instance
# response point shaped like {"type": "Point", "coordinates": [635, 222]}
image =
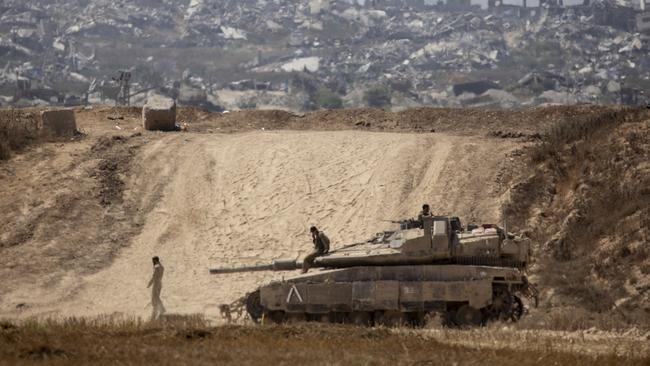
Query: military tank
{"type": "Point", "coordinates": [468, 275]}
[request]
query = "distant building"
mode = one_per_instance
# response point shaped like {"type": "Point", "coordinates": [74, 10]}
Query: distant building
{"type": "Point", "coordinates": [643, 22]}
{"type": "Point", "coordinates": [318, 6]}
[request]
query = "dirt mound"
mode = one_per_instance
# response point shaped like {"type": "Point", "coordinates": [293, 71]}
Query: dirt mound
{"type": "Point", "coordinates": [116, 154]}
{"type": "Point", "coordinates": [523, 124]}
{"type": "Point", "coordinates": [370, 118]}
{"type": "Point", "coordinates": [586, 201]}
{"type": "Point", "coordinates": [520, 123]}
{"type": "Point", "coordinates": [525, 121]}
{"type": "Point", "coordinates": [65, 215]}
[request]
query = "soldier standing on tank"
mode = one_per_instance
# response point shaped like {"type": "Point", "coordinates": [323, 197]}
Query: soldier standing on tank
{"type": "Point", "coordinates": [426, 212]}
{"type": "Point", "coordinates": [156, 282]}
{"type": "Point", "coordinates": [321, 246]}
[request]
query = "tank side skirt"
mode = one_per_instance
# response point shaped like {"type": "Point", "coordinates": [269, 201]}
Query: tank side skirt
{"type": "Point", "coordinates": [404, 296]}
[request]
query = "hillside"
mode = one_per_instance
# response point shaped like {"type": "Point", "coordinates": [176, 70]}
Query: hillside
{"type": "Point", "coordinates": [81, 219]}
{"type": "Point", "coordinates": [585, 200]}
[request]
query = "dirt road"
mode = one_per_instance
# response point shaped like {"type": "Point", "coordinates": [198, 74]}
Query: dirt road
{"type": "Point", "coordinates": [251, 197]}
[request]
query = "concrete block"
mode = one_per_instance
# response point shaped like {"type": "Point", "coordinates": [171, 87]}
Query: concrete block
{"type": "Point", "coordinates": [159, 113]}
{"type": "Point", "coordinates": [59, 122]}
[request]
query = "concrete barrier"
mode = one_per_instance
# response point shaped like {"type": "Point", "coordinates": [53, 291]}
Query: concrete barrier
{"type": "Point", "coordinates": [159, 114]}
{"type": "Point", "coordinates": [59, 122]}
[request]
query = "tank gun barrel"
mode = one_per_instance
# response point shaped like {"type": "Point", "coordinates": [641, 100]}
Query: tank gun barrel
{"type": "Point", "coordinates": [405, 224]}
{"type": "Point", "coordinates": [275, 265]}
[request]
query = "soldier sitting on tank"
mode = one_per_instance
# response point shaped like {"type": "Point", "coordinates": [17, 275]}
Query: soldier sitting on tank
{"type": "Point", "coordinates": [321, 246]}
{"type": "Point", "coordinates": [426, 212]}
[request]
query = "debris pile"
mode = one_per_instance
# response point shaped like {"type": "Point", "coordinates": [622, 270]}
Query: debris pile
{"type": "Point", "coordinates": [309, 54]}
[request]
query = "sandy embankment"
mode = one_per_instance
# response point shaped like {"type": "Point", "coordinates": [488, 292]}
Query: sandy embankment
{"type": "Point", "coordinates": [251, 197]}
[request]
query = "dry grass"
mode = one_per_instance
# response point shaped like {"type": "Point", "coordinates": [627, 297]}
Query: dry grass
{"type": "Point", "coordinates": [17, 130]}
{"type": "Point", "coordinates": [568, 131]}
{"type": "Point", "coordinates": [499, 336]}
{"type": "Point", "coordinates": [573, 319]}
{"type": "Point", "coordinates": [190, 340]}
{"type": "Point", "coordinates": [20, 128]}
{"type": "Point", "coordinates": [585, 201]}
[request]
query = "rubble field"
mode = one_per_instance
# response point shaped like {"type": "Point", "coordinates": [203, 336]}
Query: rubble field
{"type": "Point", "coordinates": [324, 54]}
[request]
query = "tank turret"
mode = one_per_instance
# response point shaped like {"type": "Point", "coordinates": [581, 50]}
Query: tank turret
{"type": "Point", "coordinates": [439, 240]}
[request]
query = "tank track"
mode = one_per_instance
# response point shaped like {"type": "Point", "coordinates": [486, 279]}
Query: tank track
{"type": "Point", "coordinates": [507, 307]}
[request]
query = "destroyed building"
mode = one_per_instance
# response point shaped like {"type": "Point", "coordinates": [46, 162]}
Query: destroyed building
{"type": "Point", "coordinates": [505, 53]}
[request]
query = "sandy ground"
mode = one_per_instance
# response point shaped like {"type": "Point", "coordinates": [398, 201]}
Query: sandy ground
{"type": "Point", "coordinates": [250, 197]}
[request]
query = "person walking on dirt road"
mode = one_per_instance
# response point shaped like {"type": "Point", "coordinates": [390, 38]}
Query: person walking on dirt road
{"type": "Point", "coordinates": [156, 282]}
{"type": "Point", "coordinates": [321, 246]}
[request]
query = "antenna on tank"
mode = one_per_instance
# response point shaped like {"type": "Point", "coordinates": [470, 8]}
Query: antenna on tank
{"type": "Point", "coordinates": [505, 221]}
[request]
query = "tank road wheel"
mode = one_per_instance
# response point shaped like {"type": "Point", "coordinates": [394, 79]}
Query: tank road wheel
{"type": "Point", "coordinates": [505, 306]}
{"type": "Point", "coordinates": [416, 319]}
{"type": "Point", "coordinates": [448, 318]}
{"type": "Point", "coordinates": [501, 304]}
{"type": "Point", "coordinates": [467, 316]}
{"type": "Point", "coordinates": [254, 306]}
{"type": "Point", "coordinates": [362, 318]}
{"type": "Point", "coordinates": [517, 309]}
{"type": "Point", "coordinates": [294, 318]}
{"type": "Point", "coordinates": [276, 317]}
{"type": "Point", "coordinates": [322, 318]}
{"type": "Point", "coordinates": [390, 318]}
